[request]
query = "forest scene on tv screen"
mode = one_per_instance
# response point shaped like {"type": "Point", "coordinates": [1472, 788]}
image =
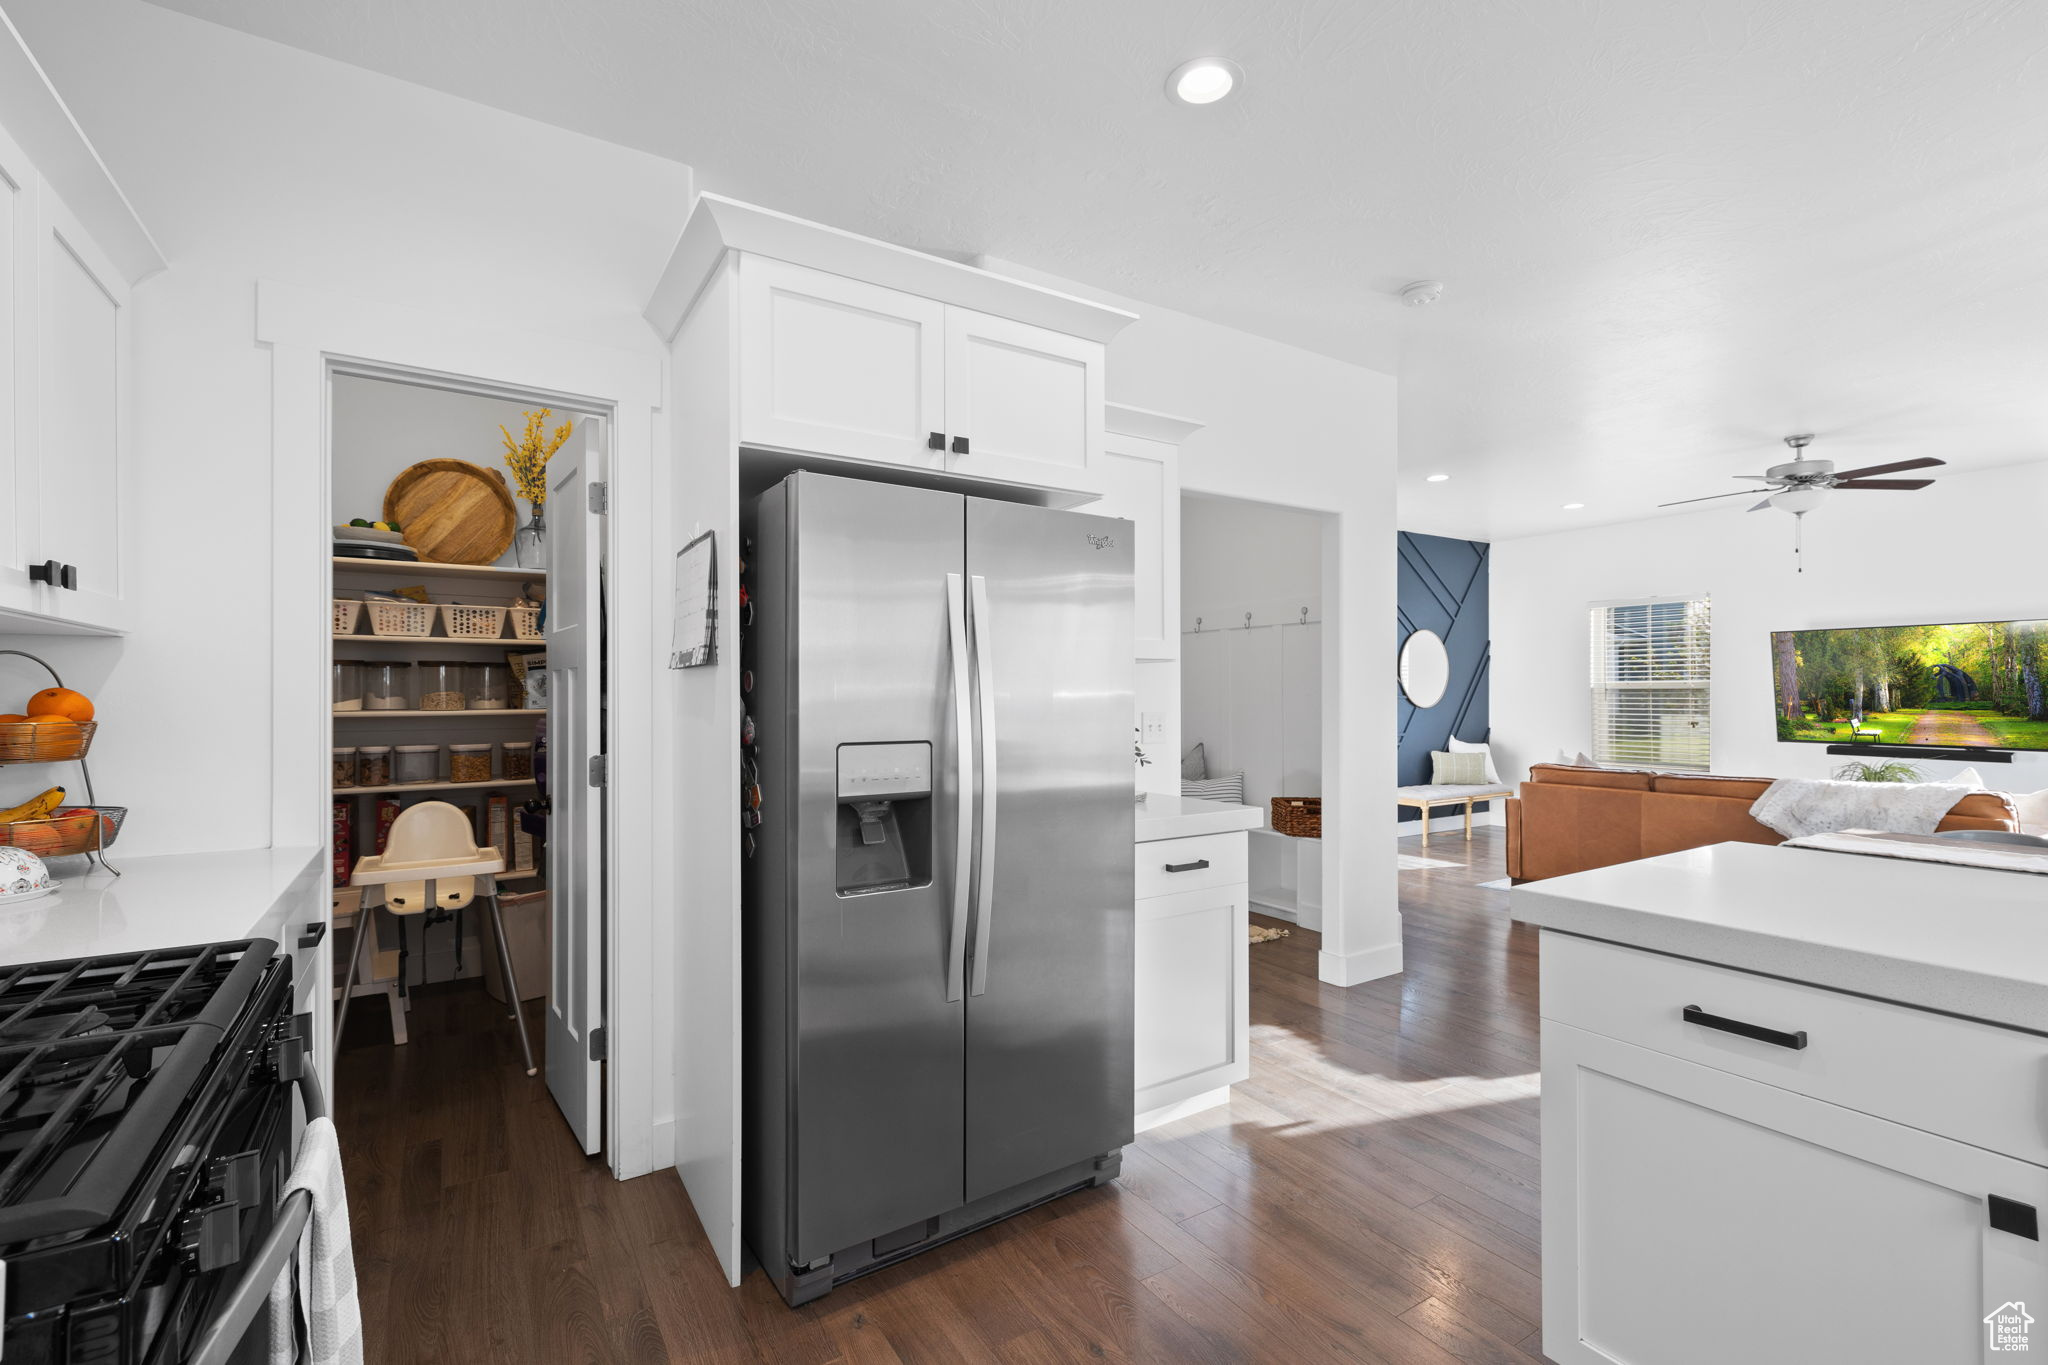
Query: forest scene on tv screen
{"type": "Point", "coordinates": [1974, 686]}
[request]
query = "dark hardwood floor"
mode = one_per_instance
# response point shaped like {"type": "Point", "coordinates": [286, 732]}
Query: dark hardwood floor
{"type": "Point", "coordinates": [1369, 1195]}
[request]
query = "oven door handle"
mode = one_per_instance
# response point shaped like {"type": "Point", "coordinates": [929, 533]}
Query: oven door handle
{"type": "Point", "coordinates": [223, 1333]}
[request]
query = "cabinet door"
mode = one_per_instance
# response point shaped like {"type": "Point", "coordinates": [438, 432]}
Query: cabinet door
{"type": "Point", "coordinates": [1193, 1029]}
{"type": "Point", "coordinates": [1140, 481]}
{"type": "Point", "coordinates": [1027, 403]}
{"type": "Point", "coordinates": [18, 190]}
{"type": "Point", "coordinates": [83, 511]}
{"type": "Point", "coordinates": [1693, 1217]}
{"type": "Point", "coordinates": [839, 367]}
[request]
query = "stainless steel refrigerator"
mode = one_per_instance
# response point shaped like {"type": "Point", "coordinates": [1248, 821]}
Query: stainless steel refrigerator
{"type": "Point", "coordinates": [938, 916]}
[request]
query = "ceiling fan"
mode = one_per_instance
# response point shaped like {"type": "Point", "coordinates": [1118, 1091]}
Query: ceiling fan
{"type": "Point", "coordinates": [1800, 485]}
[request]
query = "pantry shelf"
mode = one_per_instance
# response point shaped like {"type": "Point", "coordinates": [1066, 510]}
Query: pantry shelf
{"type": "Point", "coordinates": [479, 714]}
{"type": "Point", "coordinates": [395, 568]}
{"type": "Point", "coordinates": [517, 646]}
{"type": "Point", "coordinates": [435, 787]}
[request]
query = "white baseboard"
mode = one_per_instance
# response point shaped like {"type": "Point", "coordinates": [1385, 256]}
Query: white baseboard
{"type": "Point", "coordinates": [1453, 824]}
{"type": "Point", "coordinates": [1180, 1109]}
{"type": "Point", "coordinates": [1367, 964]}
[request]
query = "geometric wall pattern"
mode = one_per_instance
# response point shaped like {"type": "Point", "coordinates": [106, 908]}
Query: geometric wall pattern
{"type": "Point", "coordinates": [1443, 587]}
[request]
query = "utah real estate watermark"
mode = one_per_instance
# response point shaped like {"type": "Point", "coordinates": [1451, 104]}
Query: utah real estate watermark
{"type": "Point", "coordinates": [2006, 1327]}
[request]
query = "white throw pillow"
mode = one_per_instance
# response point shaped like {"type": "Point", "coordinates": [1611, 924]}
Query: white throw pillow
{"type": "Point", "coordinates": [1459, 746]}
{"type": "Point", "coordinates": [1968, 777]}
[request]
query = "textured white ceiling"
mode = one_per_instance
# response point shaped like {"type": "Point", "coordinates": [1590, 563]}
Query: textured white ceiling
{"type": "Point", "coordinates": [1671, 230]}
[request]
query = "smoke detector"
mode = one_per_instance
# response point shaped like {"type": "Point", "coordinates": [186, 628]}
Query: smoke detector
{"type": "Point", "coordinates": [1422, 293]}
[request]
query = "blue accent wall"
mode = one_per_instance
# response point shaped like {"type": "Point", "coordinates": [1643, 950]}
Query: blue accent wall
{"type": "Point", "coordinates": [1443, 587]}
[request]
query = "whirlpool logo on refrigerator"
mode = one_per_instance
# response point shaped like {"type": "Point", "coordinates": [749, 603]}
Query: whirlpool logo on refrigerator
{"type": "Point", "coordinates": [1102, 542]}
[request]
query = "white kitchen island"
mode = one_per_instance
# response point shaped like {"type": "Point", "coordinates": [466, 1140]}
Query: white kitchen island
{"type": "Point", "coordinates": [1795, 1109]}
{"type": "Point", "coordinates": [1193, 1029]}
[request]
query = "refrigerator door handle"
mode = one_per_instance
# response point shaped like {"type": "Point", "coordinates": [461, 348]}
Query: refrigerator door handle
{"type": "Point", "coordinates": [985, 686]}
{"type": "Point", "coordinates": [963, 752]}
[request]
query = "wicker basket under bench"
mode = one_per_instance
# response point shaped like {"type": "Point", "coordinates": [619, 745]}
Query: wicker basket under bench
{"type": "Point", "coordinates": [1299, 817]}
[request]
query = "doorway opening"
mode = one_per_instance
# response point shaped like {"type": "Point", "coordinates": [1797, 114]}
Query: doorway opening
{"type": "Point", "coordinates": [466, 668]}
{"type": "Point", "coordinates": [1251, 680]}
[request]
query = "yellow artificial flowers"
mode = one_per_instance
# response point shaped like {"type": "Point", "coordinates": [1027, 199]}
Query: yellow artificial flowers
{"type": "Point", "coordinates": [529, 455]}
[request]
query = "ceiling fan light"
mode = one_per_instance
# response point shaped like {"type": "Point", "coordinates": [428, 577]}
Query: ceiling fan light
{"type": "Point", "coordinates": [1801, 500]}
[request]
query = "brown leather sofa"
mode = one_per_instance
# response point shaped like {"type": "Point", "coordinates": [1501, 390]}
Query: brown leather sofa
{"type": "Point", "coordinates": [1571, 819]}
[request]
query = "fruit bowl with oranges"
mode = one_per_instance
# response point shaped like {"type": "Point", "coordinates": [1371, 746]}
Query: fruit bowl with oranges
{"type": "Point", "coordinates": [55, 727]}
{"type": "Point", "coordinates": [66, 833]}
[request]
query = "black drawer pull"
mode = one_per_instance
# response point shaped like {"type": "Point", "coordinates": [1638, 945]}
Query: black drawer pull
{"type": "Point", "coordinates": [1693, 1014]}
{"type": "Point", "coordinates": [936, 441]}
{"type": "Point", "coordinates": [1196, 866]}
{"type": "Point", "coordinates": [315, 931]}
{"type": "Point", "coordinates": [2010, 1215]}
{"type": "Point", "coordinates": [959, 445]}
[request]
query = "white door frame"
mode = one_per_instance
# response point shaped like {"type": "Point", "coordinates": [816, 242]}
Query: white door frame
{"type": "Point", "coordinates": [310, 334]}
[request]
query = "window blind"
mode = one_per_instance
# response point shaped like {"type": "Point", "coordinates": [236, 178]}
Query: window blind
{"type": "Point", "coordinates": [1652, 665]}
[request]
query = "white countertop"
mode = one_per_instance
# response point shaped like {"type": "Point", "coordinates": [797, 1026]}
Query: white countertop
{"type": "Point", "coordinates": [1163, 816]}
{"type": "Point", "coordinates": [165, 902]}
{"type": "Point", "coordinates": [1963, 940]}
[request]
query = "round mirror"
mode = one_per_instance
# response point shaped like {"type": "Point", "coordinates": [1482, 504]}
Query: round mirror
{"type": "Point", "coordinates": [1425, 668]}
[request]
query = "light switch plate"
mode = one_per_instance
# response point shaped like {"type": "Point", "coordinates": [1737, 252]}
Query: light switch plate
{"type": "Point", "coordinates": [1152, 727]}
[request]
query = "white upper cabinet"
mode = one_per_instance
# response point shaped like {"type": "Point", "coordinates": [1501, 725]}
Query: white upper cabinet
{"type": "Point", "coordinates": [82, 478]}
{"type": "Point", "coordinates": [847, 348]}
{"type": "Point", "coordinates": [70, 250]}
{"type": "Point", "coordinates": [1023, 404]}
{"type": "Point", "coordinates": [840, 367]}
{"type": "Point", "coordinates": [1140, 480]}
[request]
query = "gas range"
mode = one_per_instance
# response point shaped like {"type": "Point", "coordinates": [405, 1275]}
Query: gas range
{"type": "Point", "coordinates": [145, 1132]}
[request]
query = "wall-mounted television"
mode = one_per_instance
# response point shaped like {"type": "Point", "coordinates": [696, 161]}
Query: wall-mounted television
{"type": "Point", "coordinates": [1975, 685]}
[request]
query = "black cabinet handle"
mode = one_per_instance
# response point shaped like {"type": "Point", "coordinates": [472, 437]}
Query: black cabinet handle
{"type": "Point", "coordinates": [49, 571]}
{"type": "Point", "coordinates": [959, 445]}
{"type": "Point", "coordinates": [1196, 866]}
{"type": "Point", "coordinates": [1693, 1014]}
{"type": "Point", "coordinates": [2010, 1215]}
{"type": "Point", "coordinates": [315, 931]}
{"type": "Point", "coordinates": [936, 441]}
{"type": "Point", "coordinates": [70, 577]}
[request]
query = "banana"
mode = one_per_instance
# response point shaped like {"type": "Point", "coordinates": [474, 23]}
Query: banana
{"type": "Point", "coordinates": [38, 808]}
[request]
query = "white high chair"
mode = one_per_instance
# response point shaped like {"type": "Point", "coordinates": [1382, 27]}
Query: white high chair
{"type": "Point", "coordinates": [431, 862]}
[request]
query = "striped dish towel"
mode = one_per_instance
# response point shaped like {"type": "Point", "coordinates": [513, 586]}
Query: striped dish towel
{"type": "Point", "coordinates": [315, 1301]}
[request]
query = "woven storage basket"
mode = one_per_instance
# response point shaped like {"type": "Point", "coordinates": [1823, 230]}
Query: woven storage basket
{"type": "Point", "coordinates": [525, 623]}
{"type": "Point", "coordinates": [472, 623]}
{"type": "Point", "coordinates": [401, 620]}
{"type": "Point", "coordinates": [347, 616]}
{"type": "Point", "coordinates": [1300, 817]}
{"type": "Point", "coordinates": [25, 743]}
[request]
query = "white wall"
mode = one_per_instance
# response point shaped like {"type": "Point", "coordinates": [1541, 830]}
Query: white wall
{"type": "Point", "coordinates": [1967, 549]}
{"type": "Point", "coordinates": [248, 159]}
{"type": "Point", "coordinates": [1238, 556]}
{"type": "Point", "coordinates": [1285, 426]}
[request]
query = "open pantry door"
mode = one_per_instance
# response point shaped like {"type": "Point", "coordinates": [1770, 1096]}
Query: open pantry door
{"type": "Point", "coordinates": [576, 842]}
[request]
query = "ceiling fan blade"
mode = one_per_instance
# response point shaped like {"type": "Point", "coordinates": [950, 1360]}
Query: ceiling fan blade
{"type": "Point", "coordinates": [1738, 493]}
{"type": "Point", "coordinates": [1888, 483]}
{"type": "Point", "coordinates": [1760, 478]}
{"type": "Point", "coordinates": [1762, 505]}
{"type": "Point", "coordinates": [1924, 462]}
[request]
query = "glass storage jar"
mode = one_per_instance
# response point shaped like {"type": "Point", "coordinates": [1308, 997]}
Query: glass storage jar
{"type": "Point", "coordinates": [344, 765]}
{"type": "Point", "coordinates": [441, 685]}
{"type": "Point", "coordinates": [489, 686]}
{"type": "Point", "coordinates": [348, 685]}
{"type": "Point", "coordinates": [387, 686]}
{"type": "Point", "coordinates": [415, 763]}
{"type": "Point", "coordinates": [373, 765]}
{"type": "Point", "coordinates": [469, 763]}
{"type": "Point", "coordinates": [518, 760]}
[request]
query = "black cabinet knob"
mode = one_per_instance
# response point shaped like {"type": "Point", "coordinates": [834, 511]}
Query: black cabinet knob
{"type": "Point", "coordinates": [315, 931]}
{"type": "Point", "coordinates": [959, 445]}
{"type": "Point", "coordinates": [936, 441]}
{"type": "Point", "coordinates": [69, 577]}
{"type": "Point", "coordinates": [49, 571]}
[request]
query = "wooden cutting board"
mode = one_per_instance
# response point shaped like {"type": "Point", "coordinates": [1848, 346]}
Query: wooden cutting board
{"type": "Point", "coordinates": [453, 512]}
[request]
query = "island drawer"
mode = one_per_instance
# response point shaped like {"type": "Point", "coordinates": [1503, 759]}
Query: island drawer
{"type": "Point", "coordinates": [1202, 861]}
{"type": "Point", "coordinates": [1977, 1083]}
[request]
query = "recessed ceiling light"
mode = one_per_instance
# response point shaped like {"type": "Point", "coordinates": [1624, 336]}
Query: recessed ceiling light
{"type": "Point", "coordinates": [1573, 506]}
{"type": "Point", "coordinates": [1436, 478]}
{"type": "Point", "coordinates": [1204, 80]}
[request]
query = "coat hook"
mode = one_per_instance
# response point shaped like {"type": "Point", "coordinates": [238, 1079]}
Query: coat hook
{"type": "Point", "coordinates": [1304, 615]}
{"type": "Point", "coordinates": [1247, 620]}
{"type": "Point", "coordinates": [1198, 625]}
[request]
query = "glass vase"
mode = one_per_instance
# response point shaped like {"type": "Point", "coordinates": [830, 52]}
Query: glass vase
{"type": "Point", "coordinates": [530, 543]}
